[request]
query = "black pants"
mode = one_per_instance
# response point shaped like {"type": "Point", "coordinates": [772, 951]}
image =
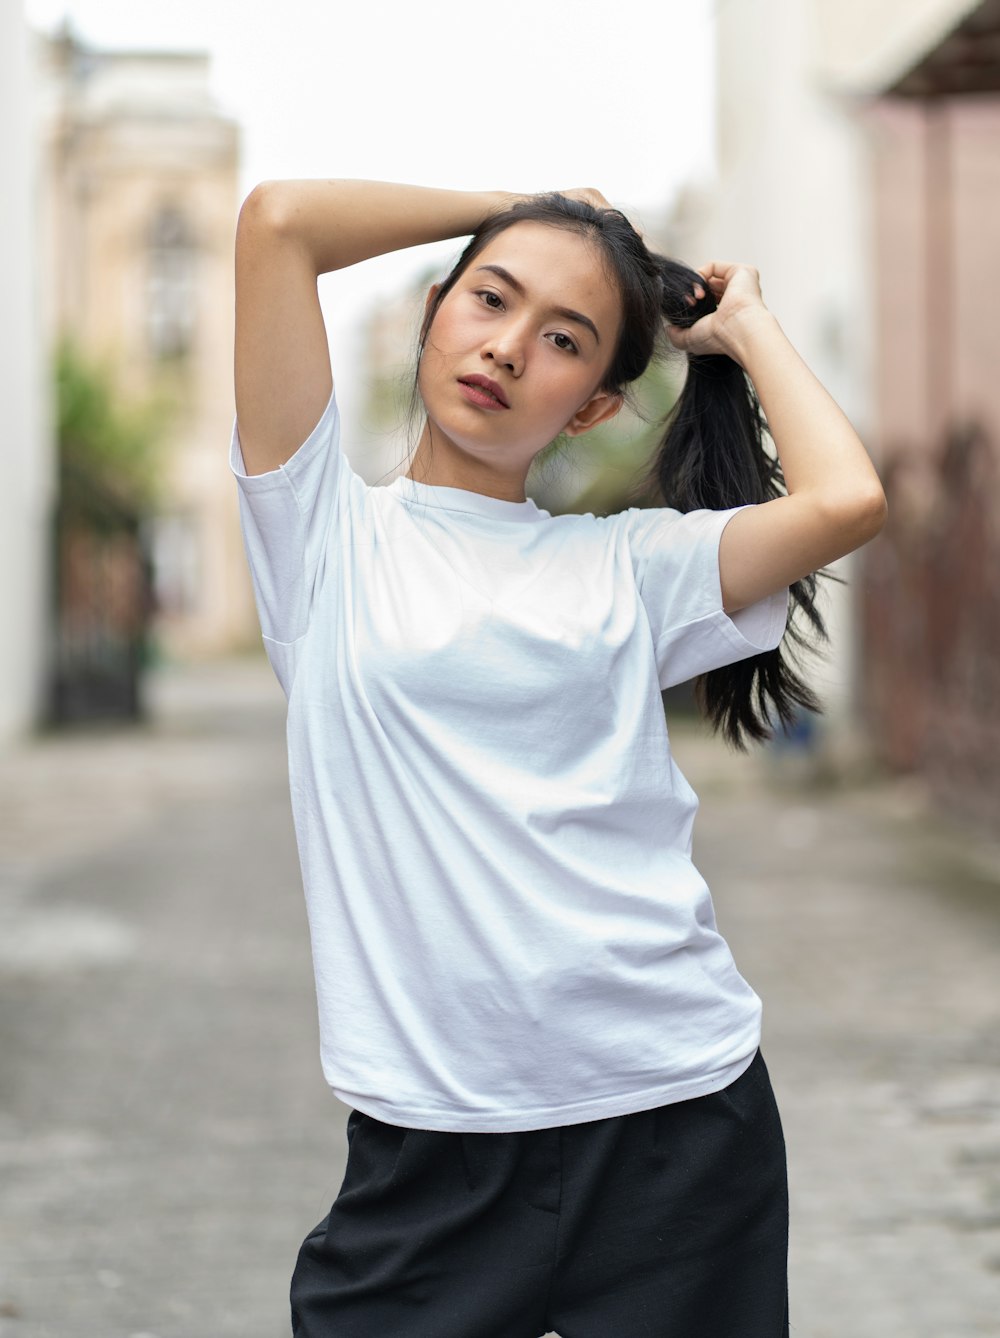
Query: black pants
{"type": "Point", "coordinates": [669, 1223]}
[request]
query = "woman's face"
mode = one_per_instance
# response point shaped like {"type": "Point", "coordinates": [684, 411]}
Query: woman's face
{"type": "Point", "coordinates": [534, 314]}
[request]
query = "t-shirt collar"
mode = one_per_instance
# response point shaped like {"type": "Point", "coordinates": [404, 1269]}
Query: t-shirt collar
{"type": "Point", "coordinates": [442, 496]}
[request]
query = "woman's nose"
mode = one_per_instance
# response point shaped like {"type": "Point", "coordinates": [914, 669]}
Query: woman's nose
{"type": "Point", "coordinates": [506, 346]}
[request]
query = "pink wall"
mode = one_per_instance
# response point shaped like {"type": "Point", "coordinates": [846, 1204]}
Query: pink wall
{"type": "Point", "coordinates": [936, 184]}
{"type": "Point", "coordinates": [976, 293]}
{"type": "Point", "coordinates": [932, 578]}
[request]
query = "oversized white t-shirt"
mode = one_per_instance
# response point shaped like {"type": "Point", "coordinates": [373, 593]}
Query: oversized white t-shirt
{"type": "Point", "coordinates": [507, 928]}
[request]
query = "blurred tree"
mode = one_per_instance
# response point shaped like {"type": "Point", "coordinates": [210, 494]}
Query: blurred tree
{"type": "Point", "coordinates": [108, 449]}
{"type": "Point", "coordinates": [601, 471]}
{"type": "Point", "coordinates": [110, 478]}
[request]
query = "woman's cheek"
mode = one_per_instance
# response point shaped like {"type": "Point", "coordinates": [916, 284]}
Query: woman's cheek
{"type": "Point", "coordinates": [450, 334]}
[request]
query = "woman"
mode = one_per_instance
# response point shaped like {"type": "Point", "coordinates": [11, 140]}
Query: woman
{"type": "Point", "coordinates": [560, 1116]}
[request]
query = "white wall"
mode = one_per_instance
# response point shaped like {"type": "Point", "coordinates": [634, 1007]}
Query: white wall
{"type": "Point", "coordinates": [26, 456]}
{"type": "Point", "coordinates": [791, 198]}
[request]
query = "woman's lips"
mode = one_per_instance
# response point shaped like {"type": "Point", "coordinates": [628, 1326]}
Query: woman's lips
{"type": "Point", "coordinates": [477, 393]}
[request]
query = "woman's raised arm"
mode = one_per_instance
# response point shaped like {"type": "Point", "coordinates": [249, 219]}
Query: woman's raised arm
{"type": "Point", "coordinates": [288, 233]}
{"type": "Point", "coordinates": [835, 501]}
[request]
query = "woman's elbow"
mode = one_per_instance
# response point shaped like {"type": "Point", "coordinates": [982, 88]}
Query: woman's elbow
{"type": "Point", "coordinates": [263, 204]}
{"type": "Point", "coordinates": [874, 512]}
{"type": "Point", "coordinates": [858, 518]}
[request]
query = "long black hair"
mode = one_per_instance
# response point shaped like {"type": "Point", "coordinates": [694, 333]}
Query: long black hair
{"type": "Point", "coordinates": [712, 454]}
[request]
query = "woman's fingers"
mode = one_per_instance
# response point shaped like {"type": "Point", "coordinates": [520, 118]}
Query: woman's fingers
{"type": "Point", "coordinates": [734, 288]}
{"type": "Point", "coordinates": [732, 284]}
{"type": "Point", "coordinates": [719, 273]}
{"type": "Point", "coordinates": [589, 195]}
{"type": "Point", "coordinates": [719, 269]}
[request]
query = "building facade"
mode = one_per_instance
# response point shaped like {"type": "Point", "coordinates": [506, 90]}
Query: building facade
{"type": "Point", "coordinates": [137, 226]}
{"type": "Point", "coordinates": [931, 597]}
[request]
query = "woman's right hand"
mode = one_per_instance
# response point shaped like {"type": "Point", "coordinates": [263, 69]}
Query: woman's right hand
{"type": "Point", "coordinates": [589, 195]}
{"type": "Point", "coordinates": [737, 292]}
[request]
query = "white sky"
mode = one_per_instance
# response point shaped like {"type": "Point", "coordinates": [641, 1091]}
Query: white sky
{"type": "Point", "coordinates": [527, 95]}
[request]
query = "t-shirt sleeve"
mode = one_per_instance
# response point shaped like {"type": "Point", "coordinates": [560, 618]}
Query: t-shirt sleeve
{"type": "Point", "coordinates": [675, 558]}
{"type": "Point", "coordinates": [287, 516]}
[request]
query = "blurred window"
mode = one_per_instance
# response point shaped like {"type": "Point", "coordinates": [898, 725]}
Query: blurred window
{"type": "Point", "coordinates": [170, 303]}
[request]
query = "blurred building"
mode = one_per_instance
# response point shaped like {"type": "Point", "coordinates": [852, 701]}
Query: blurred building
{"type": "Point", "coordinates": [932, 598]}
{"type": "Point", "coordinates": [859, 169]}
{"type": "Point", "coordinates": [28, 472]}
{"type": "Point", "coordinates": [137, 226]}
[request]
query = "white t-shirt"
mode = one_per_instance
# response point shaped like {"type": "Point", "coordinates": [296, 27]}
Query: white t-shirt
{"type": "Point", "coordinates": [507, 928]}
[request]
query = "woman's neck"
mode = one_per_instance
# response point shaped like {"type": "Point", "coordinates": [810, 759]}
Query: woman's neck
{"type": "Point", "coordinates": [445, 466]}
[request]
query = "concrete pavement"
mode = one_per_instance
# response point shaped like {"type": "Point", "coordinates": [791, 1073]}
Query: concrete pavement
{"type": "Point", "coordinates": [166, 1138]}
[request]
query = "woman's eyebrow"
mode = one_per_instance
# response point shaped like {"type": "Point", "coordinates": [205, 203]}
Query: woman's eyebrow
{"type": "Point", "coordinates": [567, 313]}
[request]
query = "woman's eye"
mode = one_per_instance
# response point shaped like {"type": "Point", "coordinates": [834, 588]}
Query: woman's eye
{"type": "Point", "coordinates": [486, 295]}
{"type": "Point", "coordinates": [569, 346]}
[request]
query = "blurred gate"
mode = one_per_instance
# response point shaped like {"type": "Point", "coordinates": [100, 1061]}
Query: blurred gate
{"type": "Point", "coordinates": [102, 603]}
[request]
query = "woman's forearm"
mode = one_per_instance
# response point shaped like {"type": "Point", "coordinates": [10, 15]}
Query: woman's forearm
{"type": "Point", "coordinates": [341, 222]}
{"type": "Point", "coordinates": [819, 450]}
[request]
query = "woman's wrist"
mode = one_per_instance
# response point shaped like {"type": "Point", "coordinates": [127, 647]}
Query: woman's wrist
{"type": "Point", "coordinates": [749, 334]}
{"type": "Point", "coordinates": [499, 201]}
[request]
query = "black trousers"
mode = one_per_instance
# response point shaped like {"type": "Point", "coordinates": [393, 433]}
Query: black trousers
{"type": "Point", "coordinates": [669, 1223]}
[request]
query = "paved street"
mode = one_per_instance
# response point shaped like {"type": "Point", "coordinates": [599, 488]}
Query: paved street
{"type": "Point", "coordinates": [166, 1138]}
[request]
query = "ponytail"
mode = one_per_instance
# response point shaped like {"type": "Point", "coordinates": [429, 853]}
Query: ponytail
{"type": "Point", "coordinates": [713, 455]}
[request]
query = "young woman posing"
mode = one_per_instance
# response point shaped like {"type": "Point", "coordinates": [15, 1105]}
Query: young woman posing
{"type": "Point", "coordinates": [560, 1115]}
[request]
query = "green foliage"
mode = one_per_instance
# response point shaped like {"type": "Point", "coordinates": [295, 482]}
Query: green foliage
{"type": "Point", "coordinates": [601, 470]}
{"type": "Point", "coordinates": [109, 448]}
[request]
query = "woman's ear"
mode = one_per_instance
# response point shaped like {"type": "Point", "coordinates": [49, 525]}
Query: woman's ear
{"type": "Point", "coordinates": [432, 293]}
{"type": "Point", "coordinates": [598, 409]}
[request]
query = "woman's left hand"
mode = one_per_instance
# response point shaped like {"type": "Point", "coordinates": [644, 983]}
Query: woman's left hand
{"type": "Point", "coordinates": [736, 289]}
